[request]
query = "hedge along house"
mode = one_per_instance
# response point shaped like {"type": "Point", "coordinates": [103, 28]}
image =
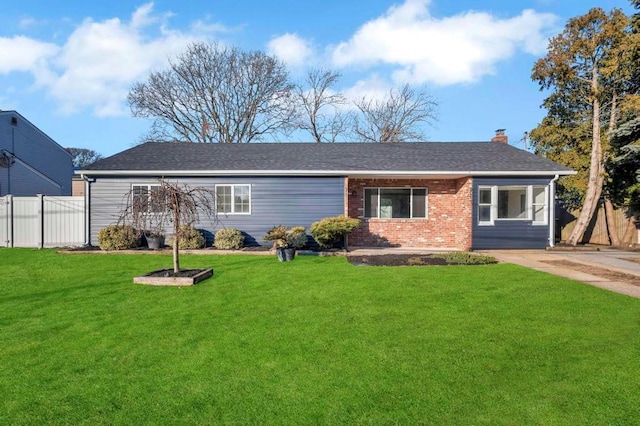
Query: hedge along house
{"type": "Point", "coordinates": [441, 195]}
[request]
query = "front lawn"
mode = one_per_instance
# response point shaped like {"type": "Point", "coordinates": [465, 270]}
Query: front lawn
{"type": "Point", "coordinates": [316, 340]}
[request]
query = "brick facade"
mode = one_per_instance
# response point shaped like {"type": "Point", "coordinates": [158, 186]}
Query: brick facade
{"type": "Point", "coordinates": [448, 224]}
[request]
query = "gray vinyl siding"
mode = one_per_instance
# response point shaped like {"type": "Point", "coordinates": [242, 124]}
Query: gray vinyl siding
{"type": "Point", "coordinates": [34, 150]}
{"type": "Point", "coordinates": [288, 201]}
{"type": "Point", "coordinates": [508, 234]}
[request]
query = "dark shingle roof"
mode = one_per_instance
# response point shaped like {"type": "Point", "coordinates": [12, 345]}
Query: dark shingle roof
{"type": "Point", "coordinates": [427, 157]}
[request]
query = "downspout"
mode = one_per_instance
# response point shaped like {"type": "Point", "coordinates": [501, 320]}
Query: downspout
{"type": "Point", "coordinates": [552, 211]}
{"type": "Point", "coordinates": [87, 208]}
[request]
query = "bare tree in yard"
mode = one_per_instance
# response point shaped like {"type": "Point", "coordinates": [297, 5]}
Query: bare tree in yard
{"type": "Point", "coordinates": [214, 93]}
{"type": "Point", "coordinates": [83, 157]}
{"type": "Point", "coordinates": [585, 69]}
{"type": "Point", "coordinates": [400, 117]}
{"type": "Point", "coordinates": [171, 202]}
{"type": "Point", "coordinates": [319, 106]}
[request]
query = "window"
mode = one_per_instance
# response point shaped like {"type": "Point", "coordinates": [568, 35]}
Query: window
{"type": "Point", "coordinates": [512, 203]}
{"type": "Point", "coordinates": [539, 205]}
{"type": "Point", "coordinates": [233, 199]}
{"type": "Point", "coordinates": [395, 203]}
{"type": "Point", "coordinates": [484, 205]}
{"type": "Point", "coordinates": [146, 198]}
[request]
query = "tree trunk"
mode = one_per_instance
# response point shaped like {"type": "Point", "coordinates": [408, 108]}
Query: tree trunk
{"type": "Point", "coordinates": [611, 222]}
{"type": "Point", "coordinates": [627, 239]}
{"type": "Point", "coordinates": [176, 259]}
{"type": "Point", "coordinates": [612, 230]}
{"type": "Point", "coordinates": [596, 175]}
{"type": "Point", "coordinates": [176, 240]}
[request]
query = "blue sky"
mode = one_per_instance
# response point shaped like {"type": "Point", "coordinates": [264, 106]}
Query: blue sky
{"type": "Point", "coordinates": [67, 66]}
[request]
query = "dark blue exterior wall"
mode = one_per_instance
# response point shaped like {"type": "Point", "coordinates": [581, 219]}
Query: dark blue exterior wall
{"type": "Point", "coordinates": [508, 234]}
{"type": "Point", "coordinates": [275, 200]}
{"type": "Point", "coordinates": [41, 166]}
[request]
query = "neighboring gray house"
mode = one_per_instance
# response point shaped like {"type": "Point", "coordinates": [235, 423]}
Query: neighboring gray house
{"type": "Point", "coordinates": [30, 161]}
{"type": "Point", "coordinates": [451, 195]}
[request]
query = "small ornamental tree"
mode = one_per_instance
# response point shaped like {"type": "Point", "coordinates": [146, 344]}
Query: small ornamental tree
{"type": "Point", "coordinates": [170, 202]}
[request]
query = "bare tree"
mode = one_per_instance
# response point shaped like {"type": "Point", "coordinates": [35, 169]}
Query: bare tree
{"type": "Point", "coordinates": [397, 118]}
{"type": "Point", "coordinates": [169, 202]}
{"type": "Point", "coordinates": [83, 157]}
{"type": "Point", "coordinates": [214, 93]}
{"type": "Point", "coordinates": [319, 106]}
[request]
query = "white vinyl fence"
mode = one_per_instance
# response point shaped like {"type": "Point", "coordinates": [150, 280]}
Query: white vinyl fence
{"type": "Point", "coordinates": [42, 221]}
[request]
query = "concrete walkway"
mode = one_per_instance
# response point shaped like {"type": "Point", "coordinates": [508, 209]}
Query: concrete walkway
{"type": "Point", "coordinates": [610, 259]}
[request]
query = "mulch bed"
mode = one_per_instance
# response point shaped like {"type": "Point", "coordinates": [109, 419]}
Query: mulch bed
{"type": "Point", "coordinates": [397, 260]}
{"type": "Point", "coordinates": [598, 272]}
{"type": "Point", "coordinates": [183, 273]}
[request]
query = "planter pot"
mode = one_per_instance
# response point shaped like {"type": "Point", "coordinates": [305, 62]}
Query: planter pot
{"type": "Point", "coordinates": [281, 254]}
{"type": "Point", "coordinates": [289, 253]}
{"type": "Point", "coordinates": [155, 243]}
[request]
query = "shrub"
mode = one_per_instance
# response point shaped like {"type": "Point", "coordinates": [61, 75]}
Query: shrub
{"type": "Point", "coordinates": [228, 239]}
{"type": "Point", "coordinates": [331, 230]}
{"type": "Point", "coordinates": [118, 237]}
{"type": "Point", "coordinates": [189, 239]}
{"type": "Point", "coordinates": [277, 234]}
{"type": "Point", "coordinates": [464, 258]}
{"type": "Point", "coordinates": [295, 237]}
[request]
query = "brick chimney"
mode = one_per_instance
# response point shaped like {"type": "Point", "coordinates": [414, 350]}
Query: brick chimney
{"type": "Point", "coordinates": [500, 137]}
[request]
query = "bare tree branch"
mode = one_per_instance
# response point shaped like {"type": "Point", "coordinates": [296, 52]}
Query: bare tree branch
{"type": "Point", "coordinates": [214, 93]}
{"type": "Point", "coordinates": [318, 106]}
{"type": "Point", "coordinates": [398, 118]}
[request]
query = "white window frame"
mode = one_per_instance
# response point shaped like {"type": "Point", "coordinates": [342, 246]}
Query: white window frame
{"type": "Point", "coordinates": [233, 192]}
{"type": "Point", "coordinates": [530, 205]}
{"type": "Point", "coordinates": [493, 205]}
{"type": "Point", "coordinates": [412, 188]}
{"type": "Point", "coordinates": [546, 205]}
{"type": "Point", "coordinates": [148, 187]}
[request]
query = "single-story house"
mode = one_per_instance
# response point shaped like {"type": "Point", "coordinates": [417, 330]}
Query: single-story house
{"type": "Point", "coordinates": [31, 162]}
{"type": "Point", "coordinates": [441, 195]}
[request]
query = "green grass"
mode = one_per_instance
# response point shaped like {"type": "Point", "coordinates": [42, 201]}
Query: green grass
{"type": "Point", "coordinates": [311, 341]}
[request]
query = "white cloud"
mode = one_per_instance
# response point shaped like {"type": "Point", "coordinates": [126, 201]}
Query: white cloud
{"type": "Point", "coordinates": [451, 50]}
{"type": "Point", "coordinates": [291, 49]}
{"type": "Point", "coordinates": [100, 60]}
{"type": "Point", "coordinates": [23, 54]}
{"type": "Point", "coordinates": [372, 87]}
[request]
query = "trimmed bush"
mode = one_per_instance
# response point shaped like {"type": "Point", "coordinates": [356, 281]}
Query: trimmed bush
{"type": "Point", "coordinates": [118, 237]}
{"type": "Point", "coordinates": [331, 230]}
{"type": "Point", "coordinates": [228, 239]}
{"type": "Point", "coordinates": [190, 238]}
{"type": "Point", "coordinates": [295, 237]}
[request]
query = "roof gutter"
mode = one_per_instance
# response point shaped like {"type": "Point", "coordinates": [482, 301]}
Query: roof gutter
{"type": "Point", "coordinates": [321, 173]}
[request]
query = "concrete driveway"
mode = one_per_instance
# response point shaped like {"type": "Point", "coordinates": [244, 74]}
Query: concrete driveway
{"type": "Point", "coordinates": [603, 262]}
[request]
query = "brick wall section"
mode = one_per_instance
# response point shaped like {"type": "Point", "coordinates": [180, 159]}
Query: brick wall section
{"type": "Point", "coordinates": [448, 224]}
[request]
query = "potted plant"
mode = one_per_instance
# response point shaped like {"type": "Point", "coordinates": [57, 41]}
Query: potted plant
{"type": "Point", "coordinates": [286, 241]}
{"type": "Point", "coordinates": [153, 225]}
